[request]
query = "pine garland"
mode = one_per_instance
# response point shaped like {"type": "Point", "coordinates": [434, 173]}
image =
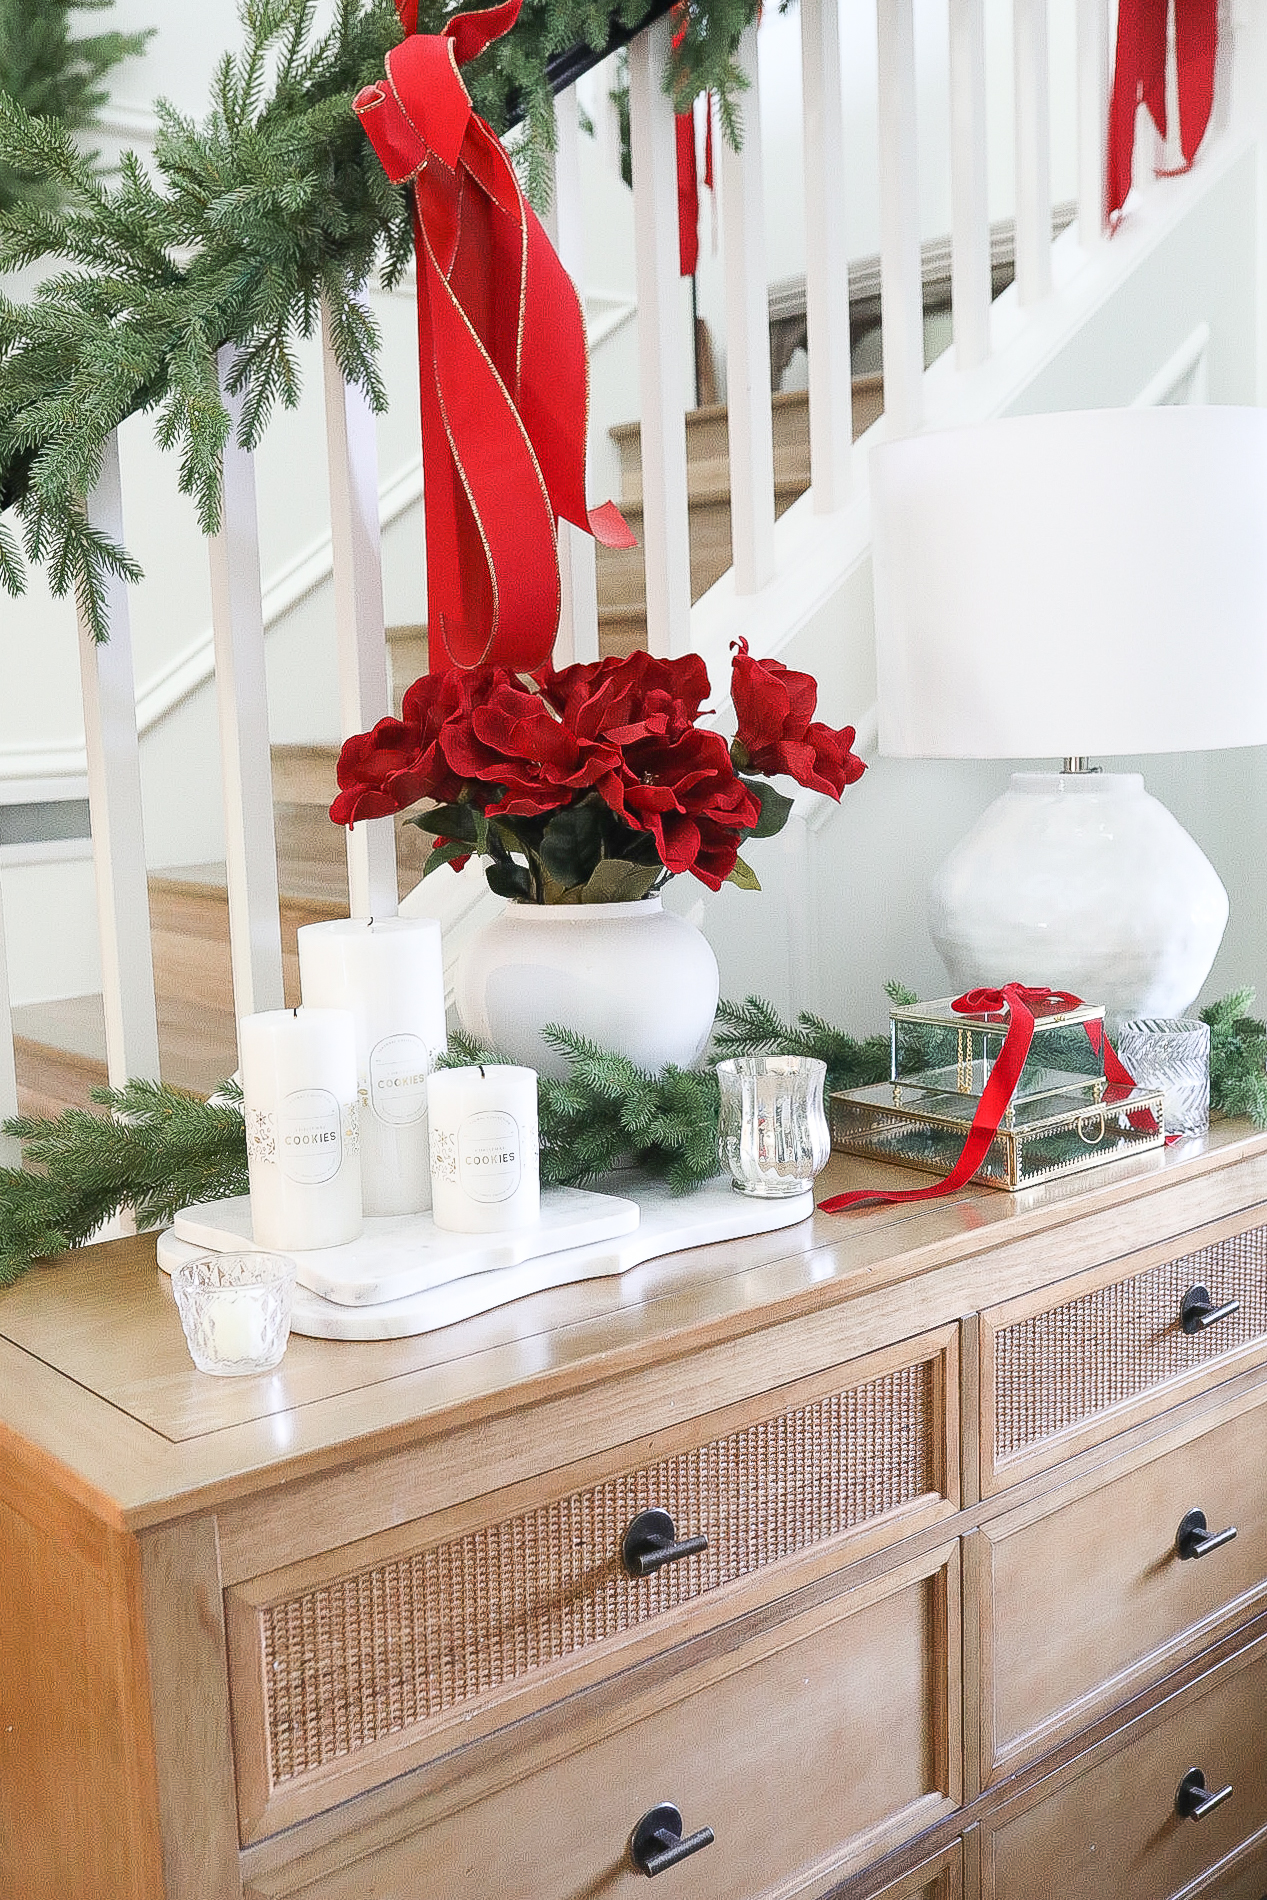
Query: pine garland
{"type": "Point", "coordinates": [1238, 1057]}
{"type": "Point", "coordinates": [157, 1149]}
{"type": "Point", "coordinates": [245, 225]}
{"type": "Point", "coordinates": [755, 1028]}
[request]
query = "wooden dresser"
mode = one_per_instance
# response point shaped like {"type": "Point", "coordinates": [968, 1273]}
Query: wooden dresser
{"type": "Point", "coordinates": [927, 1609]}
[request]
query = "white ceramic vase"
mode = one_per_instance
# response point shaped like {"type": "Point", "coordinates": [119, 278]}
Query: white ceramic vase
{"type": "Point", "coordinates": [1084, 882]}
{"type": "Point", "coordinates": [633, 977]}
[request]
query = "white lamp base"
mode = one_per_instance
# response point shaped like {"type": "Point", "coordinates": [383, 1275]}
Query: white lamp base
{"type": "Point", "coordinates": [1084, 882]}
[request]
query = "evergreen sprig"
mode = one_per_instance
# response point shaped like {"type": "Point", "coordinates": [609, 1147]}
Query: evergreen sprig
{"type": "Point", "coordinates": [155, 1150]}
{"type": "Point", "coordinates": [246, 224]}
{"type": "Point", "coordinates": [1238, 1057]}
{"type": "Point", "coordinates": [755, 1028]}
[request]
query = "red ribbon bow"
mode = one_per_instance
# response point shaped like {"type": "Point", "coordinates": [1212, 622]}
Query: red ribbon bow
{"type": "Point", "coordinates": [1022, 1005]}
{"type": "Point", "coordinates": [503, 371]}
{"type": "Point", "coordinates": [1139, 73]}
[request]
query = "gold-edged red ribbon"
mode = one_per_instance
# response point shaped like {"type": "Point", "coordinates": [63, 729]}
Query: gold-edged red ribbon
{"type": "Point", "coordinates": [503, 371]}
{"type": "Point", "coordinates": [1139, 75]}
{"type": "Point", "coordinates": [1022, 1005]}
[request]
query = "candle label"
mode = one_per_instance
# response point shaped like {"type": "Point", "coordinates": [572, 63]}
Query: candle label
{"type": "Point", "coordinates": [310, 1136]}
{"type": "Point", "coordinates": [490, 1167]}
{"type": "Point", "coordinates": [399, 1066]}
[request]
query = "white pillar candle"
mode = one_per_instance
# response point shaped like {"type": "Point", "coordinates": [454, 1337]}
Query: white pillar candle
{"type": "Point", "coordinates": [390, 975]}
{"type": "Point", "coordinates": [302, 1135]}
{"type": "Point", "coordinates": [485, 1172]}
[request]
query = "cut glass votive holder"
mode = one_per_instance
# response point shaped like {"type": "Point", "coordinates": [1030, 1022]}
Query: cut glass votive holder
{"type": "Point", "coordinates": [1171, 1053]}
{"type": "Point", "coordinates": [772, 1131]}
{"type": "Point", "coordinates": [235, 1309]}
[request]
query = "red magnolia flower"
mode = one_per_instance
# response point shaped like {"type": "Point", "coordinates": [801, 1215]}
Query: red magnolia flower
{"type": "Point", "coordinates": [775, 707]}
{"type": "Point", "coordinates": [514, 740]}
{"type": "Point", "coordinates": [624, 700]}
{"type": "Point", "coordinates": [686, 793]}
{"type": "Point", "coordinates": [399, 761]}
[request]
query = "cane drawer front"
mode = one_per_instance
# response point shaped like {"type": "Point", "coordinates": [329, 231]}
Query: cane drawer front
{"type": "Point", "coordinates": [1112, 1830]}
{"type": "Point", "coordinates": [349, 1667]}
{"type": "Point", "coordinates": [1068, 1366]}
{"type": "Point", "coordinates": [1083, 1597]}
{"type": "Point", "coordinates": [806, 1748]}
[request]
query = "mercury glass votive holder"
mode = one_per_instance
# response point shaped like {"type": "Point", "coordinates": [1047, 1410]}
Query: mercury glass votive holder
{"type": "Point", "coordinates": [772, 1130]}
{"type": "Point", "coordinates": [1171, 1053]}
{"type": "Point", "coordinates": [235, 1309]}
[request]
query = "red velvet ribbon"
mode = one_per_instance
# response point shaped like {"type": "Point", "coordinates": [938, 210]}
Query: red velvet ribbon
{"type": "Point", "coordinates": [1023, 1005]}
{"type": "Point", "coordinates": [503, 373]}
{"type": "Point", "coordinates": [1140, 74]}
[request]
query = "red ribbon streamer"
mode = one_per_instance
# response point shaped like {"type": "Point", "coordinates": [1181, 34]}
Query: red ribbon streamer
{"type": "Point", "coordinates": [1139, 74]}
{"type": "Point", "coordinates": [503, 373]}
{"type": "Point", "coordinates": [1023, 1005]}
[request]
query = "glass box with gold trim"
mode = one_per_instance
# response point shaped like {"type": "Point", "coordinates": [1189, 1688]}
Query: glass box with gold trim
{"type": "Point", "coordinates": [1045, 1136]}
{"type": "Point", "coordinates": [936, 1052]}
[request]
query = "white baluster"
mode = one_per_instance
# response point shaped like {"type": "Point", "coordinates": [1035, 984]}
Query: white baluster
{"type": "Point", "coordinates": [1033, 151]}
{"type": "Point", "coordinates": [1093, 110]}
{"type": "Point", "coordinates": [242, 706]}
{"type": "Point", "coordinates": [352, 452]}
{"type": "Point", "coordinates": [661, 358]}
{"type": "Point", "coordinates": [606, 118]}
{"type": "Point", "coordinates": [578, 617]}
{"type": "Point", "coordinates": [748, 341]}
{"type": "Point", "coordinates": [114, 800]}
{"type": "Point", "coordinates": [826, 263]}
{"type": "Point", "coordinates": [901, 265]}
{"type": "Point", "coordinates": [970, 286]}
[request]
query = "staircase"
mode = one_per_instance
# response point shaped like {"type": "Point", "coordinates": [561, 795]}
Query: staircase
{"type": "Point", "coordinates": [60, 1046]}
{"type": "Point", "coordinates": [622, 597]}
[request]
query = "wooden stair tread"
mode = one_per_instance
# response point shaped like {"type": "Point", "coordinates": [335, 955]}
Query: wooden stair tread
{"type": "Point", "coordinates": [60, 1049]}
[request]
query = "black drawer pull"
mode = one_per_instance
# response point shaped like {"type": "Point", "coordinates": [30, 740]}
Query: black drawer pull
{"type": "Point", "coordinates": [652, 1541]}
{"type": "Point", "coordinates": [1194, 1538]}
{"type": "Point", "coordinates": [1198, 1310]}
{"type": "Point", "coordinates": [1194, 1801]}
{"type": "Point", "coordinates": [657, 1844]}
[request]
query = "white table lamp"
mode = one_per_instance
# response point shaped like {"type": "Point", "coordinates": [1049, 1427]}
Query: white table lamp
{"type": "Point", "coordinates": [1058, 587]}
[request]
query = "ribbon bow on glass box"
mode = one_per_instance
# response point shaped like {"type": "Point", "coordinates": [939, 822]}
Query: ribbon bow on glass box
{"type": "Point", "coordinates": [1008, 1087]}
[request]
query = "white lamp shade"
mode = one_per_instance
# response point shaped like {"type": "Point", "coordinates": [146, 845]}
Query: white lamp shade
{"type": "Point", "coordinates": [1083, 583]}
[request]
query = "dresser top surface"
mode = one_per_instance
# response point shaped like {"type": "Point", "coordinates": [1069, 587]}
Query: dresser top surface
{"type": "Point", "coordinates": [94, 1369]}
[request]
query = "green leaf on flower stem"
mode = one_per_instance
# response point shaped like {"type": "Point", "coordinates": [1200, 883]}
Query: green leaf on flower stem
{"type": "Point", "coordinates": [444, 854]}
{"type": "Point", "coordinates": [572, 843]}
{"type": "Point", "coordinates": [449, 821]}
{"type": "Point", "coordinates": [776, 808]}
{"type": "Point", "coordinates": [508, 879]}
{"type": "Point", "coordinates": [613, 881]}
{"type": "Point", "coordinates": [744, 876]}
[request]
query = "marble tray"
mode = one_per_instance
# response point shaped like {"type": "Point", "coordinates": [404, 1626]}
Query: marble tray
{"type": "Point", "coordinates": [668, 1224]}
{"type": "Point", "coordinates": [407, 1253]}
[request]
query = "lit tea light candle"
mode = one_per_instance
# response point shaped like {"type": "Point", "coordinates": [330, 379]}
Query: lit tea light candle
{"type": "Point", "coordinates": [236, 1326]}
{"type": "Point", "coordinates": [390, 975]}
{"type": "Point", "coordinates": [299, 1089]}
{"type": "Point", "coordinates": [485, 1173]}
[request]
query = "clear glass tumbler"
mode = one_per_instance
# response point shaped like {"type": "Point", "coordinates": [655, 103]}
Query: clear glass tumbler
{"type": "Point", "coordinates": [1171, 1053]}
{"type": "Point", "coordinates": [235, 1309]}
{"type": "Point", "coordinates": [772, 1131]}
